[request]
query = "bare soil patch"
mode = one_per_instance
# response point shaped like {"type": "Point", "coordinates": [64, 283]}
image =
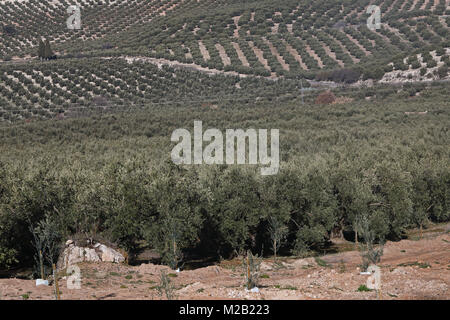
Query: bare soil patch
{"type": "Point", "coordinates": [358, 44]}
{"type": "Point", "coordinates": [236, 24]}
{"type": "Point", "coordinates": [275, 52]}
{"type": "Point", "coordinates": [410, 269]}
{"type": "Point", "coordinates": [332, 55]}
{"type": "Point", "coordinates": [259, 54]}
{"type": "Point", "coordinates": [413, 5]}
{"type": "Point", "coordinates": [241, 54]}
{"type": "Point", "coordinates": [296, 56]}
{"type": "Point", "coordinates": [204, 51]}
{"type": "Point", "coordinates": [313, 54]}
{"type": "Point", "coordinates": [223, 55]}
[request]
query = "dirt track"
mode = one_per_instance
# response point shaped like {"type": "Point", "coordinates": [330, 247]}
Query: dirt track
{"type": "Point", "coordinates": [409, 270]}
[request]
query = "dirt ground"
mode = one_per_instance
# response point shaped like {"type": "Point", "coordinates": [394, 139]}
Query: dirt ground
{"type": "Point", "coordinates": [410, 269]}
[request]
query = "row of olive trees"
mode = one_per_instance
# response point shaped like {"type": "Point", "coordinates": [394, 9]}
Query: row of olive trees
{"type": "Point", "coordinates": [216, 211]}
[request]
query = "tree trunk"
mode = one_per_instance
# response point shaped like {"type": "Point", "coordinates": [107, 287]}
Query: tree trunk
{"type": "Point", "coordinates": [248, 272]}
{"type": "Point", "coordinates": [55, 279]}
{"type": "Point", "coordinates": [275, 249]}
{"type": "Point", "coordinates": [41, 265]}
{"type": "Point", "coordinates": [175, 254]}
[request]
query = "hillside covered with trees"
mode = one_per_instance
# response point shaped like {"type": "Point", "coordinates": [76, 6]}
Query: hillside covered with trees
{"type": "Point", "coordinates": [86, 116]}
{"type": "Point", "coordinates": [110, 177]}
{"type": "Point", "coordinates": [289, 40]}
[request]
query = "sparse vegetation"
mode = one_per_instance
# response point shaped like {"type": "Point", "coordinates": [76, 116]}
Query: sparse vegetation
{"type": "Point", "coordinates": [165, 287]}
{"type": "Point", "coordinates": [278, 232]}
{"type": "Point", "coordinates": [422, 265]}
{"type": "Point", "coordinates": [320, 262]}
{"type": "Point", "coordinates": [370, 253]}
{"type": "Point", "coordinates": [251, 265]}
{"type": "Point", "coordinates": [363, 288]}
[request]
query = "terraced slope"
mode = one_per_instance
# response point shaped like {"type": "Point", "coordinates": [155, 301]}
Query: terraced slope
{"type": "Point", "coordinates": [326, 34]}
{"type": "Point", "coordinates": [59, 88]}
{"type": "Point", "coordinates": [306, 39]}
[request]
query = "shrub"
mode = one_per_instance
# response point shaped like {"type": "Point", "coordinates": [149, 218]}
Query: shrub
{"type": "Point", "coordinates": [166, 287]}
{"type": "Point", "coordinates": [431, 64]}
{"type": "Point", "coordinates": [363, 288]}
{"type": "Point", "coordinates": [47, 242]}
{"type": "Point", "coordinates": [326, 97]}
{"type": "Point", "coordinates": [369, 253]}
{"type": "Point", "coordinates": [346, 75]}
{"type": "Point", "coordinates": [9, 30]}
{"type": "Point", "coordinates": [278, 231]}
{"type": "Point", "coordinates": [443, 71]}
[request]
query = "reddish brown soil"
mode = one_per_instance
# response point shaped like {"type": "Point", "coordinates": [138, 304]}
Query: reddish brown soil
{"type": "Point", "coordinates": [410, 269]}
{"type": "Point", "coordinates": [241, 55]}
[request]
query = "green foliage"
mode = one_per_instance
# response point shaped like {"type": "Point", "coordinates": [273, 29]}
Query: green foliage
{"type": "Point", "coordinates": [232, 209]}
{"type": "Point", "coordinates": [47, 243]}
{"type": "Point", "coordinates": [363, 288]}
{"type": "Point", "coordinates": [443, 71]}
{"type": "Point", "coordinates": [8, 256]}
{"type": "Point", "coordinates": [48, 52]}
{"type": "Point", "coordinates": [278, 231]}
{"type": "Point", "coordinates": [314, 211]}
{"type": "Point", "coordinates": [41, 49]}
{"type": "Point", "coordinates": [175, 220]}
{"type": "Point", "coordinates": [369, 252]}
{"type": "Point", "coordinates": [321, 263]}
{"type": "Point", "coordinates": [143, 31]}
{"type": "Point", "coordinates": [95, 85]}
{"type": "Point", "coordinates": [110, 177]}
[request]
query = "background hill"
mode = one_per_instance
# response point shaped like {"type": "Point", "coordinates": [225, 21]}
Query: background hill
{"type": "Point", "coordinates": [292, 40]}
{"type": "Point", "coordinates": [366, 161]}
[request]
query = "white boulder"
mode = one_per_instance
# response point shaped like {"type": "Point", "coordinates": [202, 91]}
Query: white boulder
{"type": "Point", "coordinates": [108, 254]}
{"type": "Point", "coordinates": [74, 254]}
